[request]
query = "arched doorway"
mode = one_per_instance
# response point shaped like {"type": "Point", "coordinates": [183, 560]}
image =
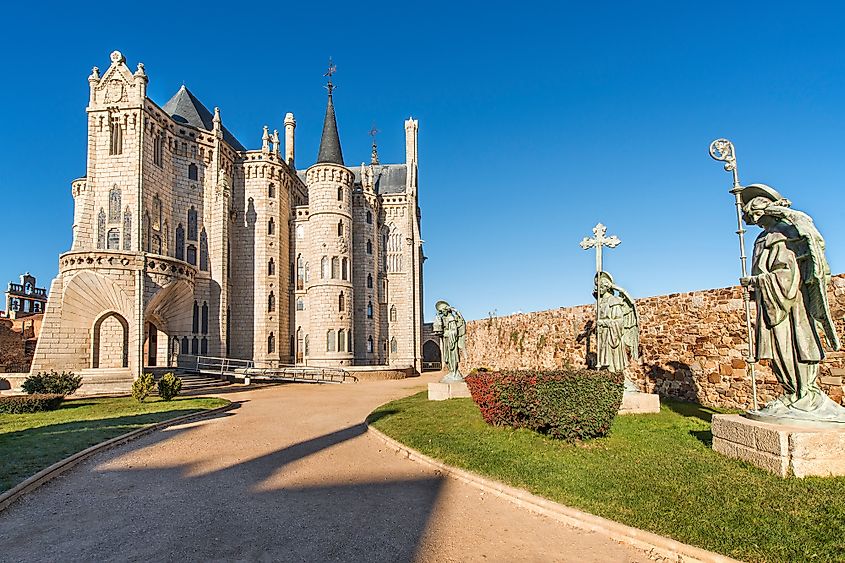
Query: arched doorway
{"type": "Point", "coordinates": [110, 347]}
{"type": "Point", "coordinates": [431, 355]}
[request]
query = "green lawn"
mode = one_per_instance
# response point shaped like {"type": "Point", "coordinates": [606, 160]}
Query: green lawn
{"type": "Point", "coordinates": [654, 472]}
{"type": "Point", "coordinates": [31, 442]}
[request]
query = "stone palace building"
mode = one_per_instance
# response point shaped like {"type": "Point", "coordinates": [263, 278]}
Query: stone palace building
{"type": "Point", "coordinates": [186, 243]}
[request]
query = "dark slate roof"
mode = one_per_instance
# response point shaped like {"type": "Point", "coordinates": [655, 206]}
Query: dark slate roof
{"type": "Point", "coordinates": [330, 141]}
{"type": "Point", "coordinates": [185, 108]}
{"type": "Point", "coordinates": [390, 178]}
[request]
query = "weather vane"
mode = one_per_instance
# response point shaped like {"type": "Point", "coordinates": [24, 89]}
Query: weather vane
{"type": "Point", "coordinates": [331, 70]}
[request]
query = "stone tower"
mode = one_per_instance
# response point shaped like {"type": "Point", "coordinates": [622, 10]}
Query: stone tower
{"type": "Point", "coordinates": [329, 292]}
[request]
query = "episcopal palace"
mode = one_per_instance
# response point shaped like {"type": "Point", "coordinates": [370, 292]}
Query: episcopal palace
{"type": "Point", "coordinates": [187, 243]}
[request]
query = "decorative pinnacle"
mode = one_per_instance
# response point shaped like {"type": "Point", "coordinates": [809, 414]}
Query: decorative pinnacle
{"type": "Point", "coordinates": [331, 70]}
{"type": "Point", "coordinates": [374, 156]}
{"type": "Point", "coordinates": [117, 57]}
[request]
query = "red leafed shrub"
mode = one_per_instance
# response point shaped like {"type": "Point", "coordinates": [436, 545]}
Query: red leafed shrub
{"type": "Point", "coordinates": [565, 404]}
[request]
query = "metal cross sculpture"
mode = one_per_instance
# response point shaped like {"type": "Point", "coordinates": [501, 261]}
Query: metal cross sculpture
{"type": "Point", "coordinates": [598, 242]}
{"type": "Point", "coordinates": [331, 70]}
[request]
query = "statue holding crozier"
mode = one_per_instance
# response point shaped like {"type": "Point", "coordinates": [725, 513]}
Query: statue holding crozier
{"type": "Point", "coordinates": [452, 328]}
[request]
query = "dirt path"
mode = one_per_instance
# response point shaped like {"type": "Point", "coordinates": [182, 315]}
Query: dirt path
{"type": "Point", "coordinates": [290, 475]}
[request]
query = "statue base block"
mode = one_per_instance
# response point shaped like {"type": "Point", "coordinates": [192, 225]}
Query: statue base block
{"type": "Point", "coordinates": [450, 390]}
{"type": "Point", "coordinates": [639, 403]}
{"type": "Point", "coordinates": [781, 449]}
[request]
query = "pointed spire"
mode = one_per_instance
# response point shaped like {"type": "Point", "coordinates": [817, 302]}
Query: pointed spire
{"type": "Point", "coordinates": [330, 141]}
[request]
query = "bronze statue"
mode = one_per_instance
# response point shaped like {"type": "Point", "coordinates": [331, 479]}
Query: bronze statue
{"type": "Point", "coordinates": [452, 328]}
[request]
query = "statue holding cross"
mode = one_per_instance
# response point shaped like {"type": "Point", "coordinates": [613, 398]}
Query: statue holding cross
{"type": "Point", "coordinates": [617, 323]}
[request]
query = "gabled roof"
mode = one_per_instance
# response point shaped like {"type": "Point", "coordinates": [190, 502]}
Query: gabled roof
{"type": "Point", "coordinates": [185, 108]}
{"type": "Point", "coordinates": [330, 141]}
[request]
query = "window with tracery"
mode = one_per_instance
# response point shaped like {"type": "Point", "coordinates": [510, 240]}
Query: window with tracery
{"type": "Point", "coordinates": [114, 205]}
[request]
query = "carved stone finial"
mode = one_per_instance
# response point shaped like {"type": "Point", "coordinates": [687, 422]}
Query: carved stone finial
{"type": "Point", "coordinates": [216, 119]}
{"type": "Point", "coordinates": [117, 57]}
{"type": "Point", "coordinates": [95, 73]}
{"type": "Point", "coordinates": [140, 71]}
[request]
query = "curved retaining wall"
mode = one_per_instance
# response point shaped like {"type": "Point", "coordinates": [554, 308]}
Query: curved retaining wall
{"type": "Point", "coordinates": [691, 346]}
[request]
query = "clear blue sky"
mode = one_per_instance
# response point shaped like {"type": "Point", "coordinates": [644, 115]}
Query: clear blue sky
{"type": "Point", "coordinates": [536, 122]}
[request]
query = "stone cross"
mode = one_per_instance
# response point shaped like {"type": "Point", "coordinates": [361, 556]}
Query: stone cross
{"type": "Point", "coordinates": [598, 241]}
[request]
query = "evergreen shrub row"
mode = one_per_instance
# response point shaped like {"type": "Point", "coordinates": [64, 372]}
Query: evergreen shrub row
{"type": "Point", "coordinates": [564, 404]}
{"type": "Point", "coordinates": [37, 402]}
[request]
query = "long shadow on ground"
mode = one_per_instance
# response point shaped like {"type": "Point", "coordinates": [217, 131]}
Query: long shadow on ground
{"type": "Point", "coordinates": [230, 514]}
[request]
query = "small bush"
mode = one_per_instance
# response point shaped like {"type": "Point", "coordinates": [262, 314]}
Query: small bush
{"type": "Point", "coordinates": [169, 386]}
{"type": "Point", "coordinates": [53, 383]}
{"type": "Point", "coordinates": [565, 404]}
{"type": "Point", "coordinates": [18, 404]}
{"type": "Point", "coordinates": [142, 387]}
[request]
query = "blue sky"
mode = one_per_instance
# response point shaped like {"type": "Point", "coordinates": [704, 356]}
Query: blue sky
{"type": "Point", "coordinates": [537, 120]}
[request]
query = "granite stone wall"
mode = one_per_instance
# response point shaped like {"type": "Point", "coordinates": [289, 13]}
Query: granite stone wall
{"type": "Point", "coordinates": [692, 346]}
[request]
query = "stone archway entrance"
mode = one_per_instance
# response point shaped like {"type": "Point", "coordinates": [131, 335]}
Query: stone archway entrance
{"type": "Point", "coordinates": [157, 346]}
{"type": "Point", "coordinates": [110, 347]}
{"type": "Point", "coordinates": [431, 355]}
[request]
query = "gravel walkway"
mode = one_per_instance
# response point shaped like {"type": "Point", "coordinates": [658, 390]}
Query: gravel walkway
{"type": "Point", "coordinates": [290, 475]}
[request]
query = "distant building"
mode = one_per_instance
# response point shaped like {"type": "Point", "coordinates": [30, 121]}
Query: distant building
{"type": "Point", "coordinates": [23, 299]}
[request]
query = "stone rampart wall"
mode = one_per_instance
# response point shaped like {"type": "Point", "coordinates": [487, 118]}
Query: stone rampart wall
{"type": "Point", "coordinates": [691, 346]}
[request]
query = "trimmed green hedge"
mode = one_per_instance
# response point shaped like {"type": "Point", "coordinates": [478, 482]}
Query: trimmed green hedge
{"type": "Point", "coordinates": [169, 386]}
{"type": "Point", "coordinates": [143, 386]}
{"type": "Point", "coordinates": [18, 404]}
{"type": "Point", "coordinates": [65, 383]}
{"type": "Point", "coordinates": [565, 404]}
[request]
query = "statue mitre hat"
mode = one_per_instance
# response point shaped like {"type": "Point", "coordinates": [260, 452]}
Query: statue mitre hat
{"type": "Point", "coordinates": [751, 191]}
{"type": "Point", "coordinates": [439, 303]}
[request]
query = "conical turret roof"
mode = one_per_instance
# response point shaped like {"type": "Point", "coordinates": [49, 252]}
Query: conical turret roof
{"type": "Point", "coordinates": [330, 141]}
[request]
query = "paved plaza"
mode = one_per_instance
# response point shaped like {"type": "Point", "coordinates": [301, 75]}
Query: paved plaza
{"type": "Point", "coordinates": [289, 475]}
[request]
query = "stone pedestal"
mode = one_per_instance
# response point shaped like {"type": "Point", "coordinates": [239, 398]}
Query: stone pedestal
{"type": "Point", "coordinates": [441, 391]}
{"type": "Point", "coordinates": [639, 403]}
{"type": "Point", "coordinates": [781, 449]}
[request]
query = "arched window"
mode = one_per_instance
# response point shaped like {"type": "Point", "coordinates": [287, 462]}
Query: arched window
{"type": "Point", "coordinates": [393, 313]}
{"type": "Point", "coordinates": [203, 250]}
{"type": "Point", "coordinates": [271, 227]}
{"type": "Point", "coordinates": [271, 343]}
{"type": "Point", "coordinates": [114, 205]}
{"type": "Point", "coordinates": [307, 273]}
{"type": "Point", "coordinates": [113, 239]}
{"type": "Point", "coordinates": [369, 246]}
{"type": "Point", "coordinates": [192, 171]}
{"type": "Point", "coordinates": [271, 302]}
{"type": "Point", "coordinates": [186, 346]}
{"type": "Point", "coordinates": [340, 194]}
{"type": "Point", "coordinates": [340, 228]}
{"type": "Point", "coordinates": [299, 344]}
{"type": "Point", "coordinates": [115, 135]}
{"type": "Point", "coordinates": [158, 150]}
{"type": "Point", "coordinates": [195, 328]}
{"type": "Point", "coordinates": [156, 212]}
{"type": "Point", "coordinates": [370, 344]}
{"type": "Point", "coordinates": [271, 267]}
{"type": "Point", "coordinates": [394, 346]}
{"type": "Point", "coordinates": [335, 267]}
{"type": "Point", "coordinates": [192, 224]}
{"type": "Point", "coordinates": [300, 272]}
{"type": "Point", "coordinates": [330, 341]}
{"type": "Point", "coordinates": [369, 309]}
{"type": "Point", "coordinates": [195, 346]}
{"type": "Point", "coordinates": [204, 317]}
{"type": "Point", "coordinates": [180, 242]}
{"type": "Point", "coordinates": [192, 255]}
{"type": "Point", "coordinates": [341, 302]}
{"type": "Point", "coordinates": [271, 190]}
{"type": "Point", "coordinates": [300, 304]}
{"type": "Point", "coordinates": [369, 281]}
{"type": "Point", "coordinates": [369, 217]}
{"type": "Point", "coordinates": [204, 345]}
{"type": "Point", "coordinates": [306, 345]}
{"type": "Point", "coordinates": [341, 340]}
{"type": "Point", "coordinates": [324, 267]}
{"type": "Point", "coordinates": [127, 229]}
{"type": "Point", "coordinates": [344, 268]}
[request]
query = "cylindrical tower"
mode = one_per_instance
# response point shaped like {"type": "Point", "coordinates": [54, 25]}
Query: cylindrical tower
{"type": "Point", "coordinates": [330, 293]}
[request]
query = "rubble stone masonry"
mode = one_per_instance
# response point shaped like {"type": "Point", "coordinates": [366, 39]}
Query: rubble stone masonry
{"type": "Point", "coordinates": [692, 346]}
